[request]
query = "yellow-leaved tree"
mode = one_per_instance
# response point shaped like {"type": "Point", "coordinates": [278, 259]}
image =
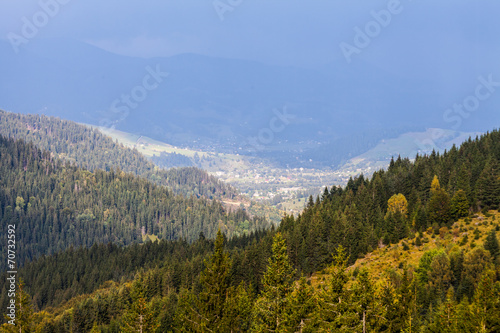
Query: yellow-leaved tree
{"type": "Point", "coordinates": [435, 185]}
{"type": "Point", "coordinates": [396, 219]}
{"type": "Point", "coordinates": [398, 203]}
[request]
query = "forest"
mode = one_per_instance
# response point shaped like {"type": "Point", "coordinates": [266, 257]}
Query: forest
{"type": "Point", "coordinates": [88, 148]}
{"type": "Point", "coordinates": [56, 204]}
{"type": "Point", "coordinates": [265, 280]}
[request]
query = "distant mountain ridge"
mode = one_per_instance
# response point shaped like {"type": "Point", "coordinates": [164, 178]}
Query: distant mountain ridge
{"type": "Point", "coordinates": [224, 103]}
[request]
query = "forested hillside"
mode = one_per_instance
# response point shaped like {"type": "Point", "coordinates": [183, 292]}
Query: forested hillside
{"type": "Point", "coordinates": [90, 149]}
{"type": "Point", "coordinates": [431, 192]}
{"type": "Point", "coordinates": [453, 288]}
{"type": "Point", "coordinates": [55, 204]}
{"type": "Point", "coordinates": [253, 283]}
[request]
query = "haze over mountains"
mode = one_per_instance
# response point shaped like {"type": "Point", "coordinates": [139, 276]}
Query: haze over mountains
{"type": "Point", "coordinates": [228, 104]}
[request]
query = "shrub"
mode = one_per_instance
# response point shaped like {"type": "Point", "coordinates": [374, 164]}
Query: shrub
{"type": "Point", "coordinates": [464, 240]}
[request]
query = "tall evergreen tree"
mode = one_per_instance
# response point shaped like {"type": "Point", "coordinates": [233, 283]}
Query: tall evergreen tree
{"type": "Point", "coordinates": [215, 283]}
{"type": "Point", "coordinates": [438, 207]}
{"type": "Point", "coordinates": [488, 185]}
{"type": "Point", "coordinates": [270, 312]}
{"type": "Point", "coordinates": [139, 318]}
{"type": "Point", "coordinates": [23, 321]}
{"type": "Point", "coordinates": [334, 310]}
{"type": "Point", "coordinates": [300, 305]}
{"type": "Point", "coordinates": [491, 244]}
{"type": "Point", "coordinates": [459, 206]}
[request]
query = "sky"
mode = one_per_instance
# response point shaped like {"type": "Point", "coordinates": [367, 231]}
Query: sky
{"type": "Point", "coordinates": [442, 35]}
{"type": "Point", "coordinates": [449, 49]}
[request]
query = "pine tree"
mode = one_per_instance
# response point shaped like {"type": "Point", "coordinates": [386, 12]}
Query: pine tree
{"type": "Point", "coordinates": [486, 306]}
{"type": "Point", "coordinates": [334, 310]}
{"type": "Point", "coordinates": [475, 263]}
{"type": "Point", "coordinates": [364, 301]}
{"type": "Point", "coordinates": [440, 276]}
{"type": "Point", "coordinates": [238, 309]}
{"type": "Point", "coordinates": [444, 319]}
{"type": "Point", "coordinates": [186, 316]}
{"type": "Point", "coordinates": [463, 181]}
{"type": "Point", "coordinates": [25, 314]}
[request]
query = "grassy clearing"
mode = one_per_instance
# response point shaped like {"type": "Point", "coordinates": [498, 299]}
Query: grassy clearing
{"type": "Point", "coordinates": [397, 256]}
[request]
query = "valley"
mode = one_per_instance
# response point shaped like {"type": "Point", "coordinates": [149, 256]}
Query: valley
{"type": "Point", "coordinates": [249, 166]}
{"type": "Point", "coordinates": [287, 189]}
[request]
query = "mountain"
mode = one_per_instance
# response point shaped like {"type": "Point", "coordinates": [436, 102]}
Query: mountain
{"type": "Point", "coordinates": [442, 205]}
{"type": "Point", "coordinates": [90, 149]}
{"type": "Point", "coordinates": [433, 282]}
{"type": "Point", "coordinates": [226, 104]}
{"type": "Point", "coordinates": [55, 205]}
{"type": "Point", "coordinates": [407, 145]}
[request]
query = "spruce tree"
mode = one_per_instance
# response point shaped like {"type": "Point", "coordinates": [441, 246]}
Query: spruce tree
{"type": "Point", "coordinates": [24, 313]}
{"type": "Point", "coordinates": [488, 185]}
{"type": "Point", "coordinates": [459, 206]}
{"type": "Point", "coordinates": [270, 312]}
{"type": "Point", "coordinates": [438, 207]}
{"type": "Point", "coordinates": [215, 283]}
{"type": "Point", "coordinates": [301, 304]}
{"type": "Point", "coordinates": [139, 318]}
{"type": "Point", "coordinates": [334, 309]}
{"type": "Point", "coordinates": [491, 244]}
{"type": "Point", "coordinates": [486, 305]}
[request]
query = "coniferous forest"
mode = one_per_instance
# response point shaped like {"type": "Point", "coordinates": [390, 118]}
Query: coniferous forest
{"type": "Point", "coordinates": [56, 205]}
{"type": "Point", "coordinates": [88, 148]}
{"type": "Point", "coordinates": [86, 266]}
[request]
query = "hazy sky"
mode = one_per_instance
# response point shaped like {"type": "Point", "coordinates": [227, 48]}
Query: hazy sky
{"type": "Point", "coordinates": [444, 34]}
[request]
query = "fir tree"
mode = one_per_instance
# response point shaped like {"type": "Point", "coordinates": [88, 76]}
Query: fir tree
{"type": "Point", "coordinates": [334, 310]}
{"type": "Point", "coordinates": [23, 321]}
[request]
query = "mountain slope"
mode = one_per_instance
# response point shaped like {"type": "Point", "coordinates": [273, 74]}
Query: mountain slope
{"type": "Point", "coordinates": [90, 149]}
{"type": "Point", "coordinates": [56, 205]}
{"type": "Point", "coordinates": [411, 203]}
{"type": "Point", "coordinates": [432, 282]}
